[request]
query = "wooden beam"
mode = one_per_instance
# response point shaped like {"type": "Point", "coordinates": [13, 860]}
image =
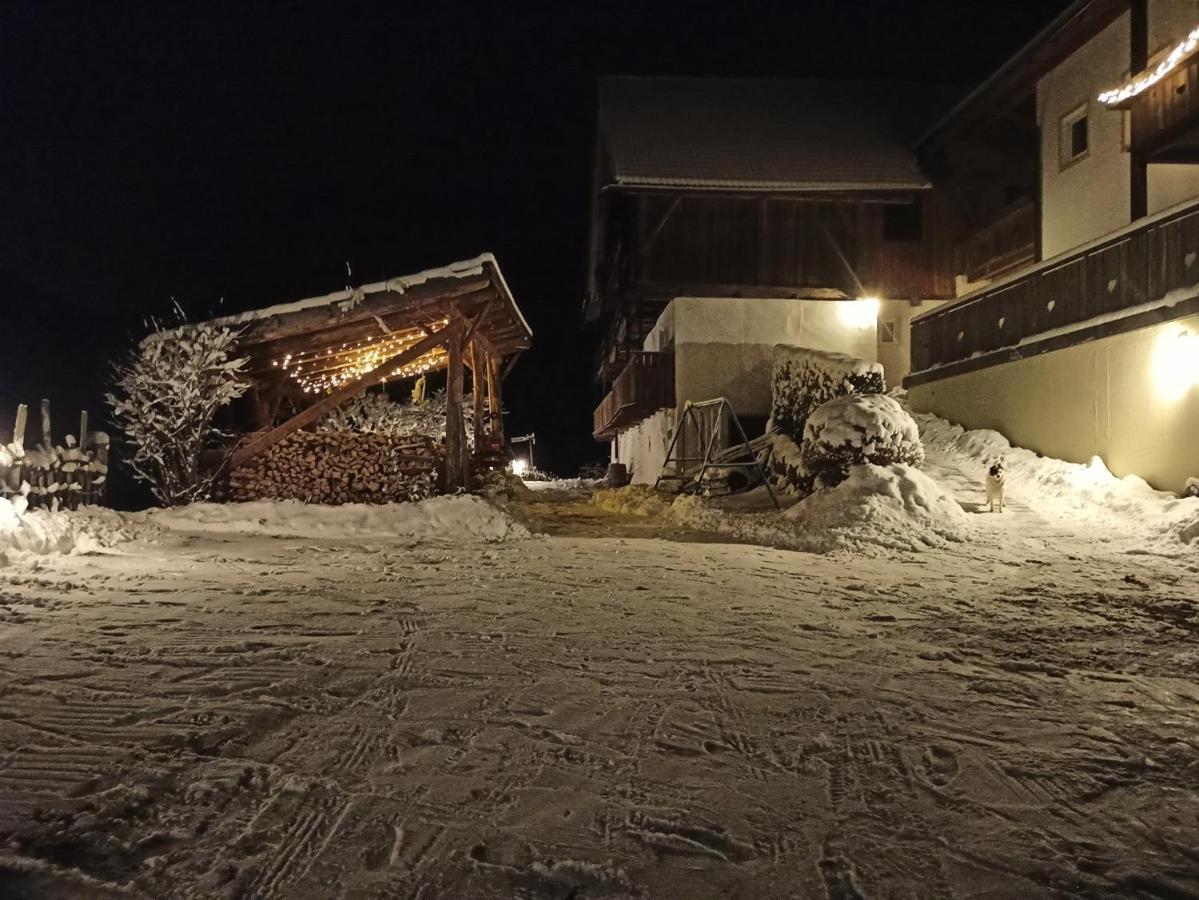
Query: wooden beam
{"type": "Point", "coordinates": [326, 404]}
{"type": "Point", "coordinates": [456, 474]}
{"type": "Point", "coordinates": [495, 410]}
{"type": "Point", "coordinates": [478, 384]}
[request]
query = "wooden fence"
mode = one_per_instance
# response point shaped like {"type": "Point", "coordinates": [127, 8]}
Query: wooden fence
{"type": "Point", "coordinates": [54, 476]}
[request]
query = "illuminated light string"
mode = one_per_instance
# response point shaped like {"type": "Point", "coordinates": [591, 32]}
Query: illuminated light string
{"type": "Point", "coordinates": [1116, 96]}
{"type": "Point", "coordinates": [323, 371]}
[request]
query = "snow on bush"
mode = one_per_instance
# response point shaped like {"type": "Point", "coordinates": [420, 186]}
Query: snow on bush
{"type": "Point", "coordinates": [803, 379]}
{"type": "Point", "coordinates": [438, 518]}
{"type": "Point", "coordinates": [164, 398]}
{"type": "Point", "coordinates": [857, 429]}
{"type": "Point", "coordinates": [1069, 490]}
{"type": "Point", "coordinates": [376, 413]}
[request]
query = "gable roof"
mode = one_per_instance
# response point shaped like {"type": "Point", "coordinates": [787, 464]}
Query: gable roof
{"type": "Point", "coordinates": [762, 134]}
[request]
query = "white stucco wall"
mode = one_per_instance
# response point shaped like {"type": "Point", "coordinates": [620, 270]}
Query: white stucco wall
{"type": "Point", "coordinates": [1089, 197]}
{"type": "Point", "coordinates": [723, 347]}
{"type": "Point", "coordinates": [1132, 400]}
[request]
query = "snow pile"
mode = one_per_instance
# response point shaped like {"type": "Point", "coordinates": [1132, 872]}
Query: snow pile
{"type": "Point", "coordinates": [439, 518]}
{"type": "Point", "coordinates": [41, 532]}
{"type": "Point", "coordinates": [894, 507]}
{"type": "Point", "coordinates": [856, 429]}
{"type": "Point", "coordinates": [1069, 490]}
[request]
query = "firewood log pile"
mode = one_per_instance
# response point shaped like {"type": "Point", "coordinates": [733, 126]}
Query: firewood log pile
{"type": "Point", "coordinates": [341, 467]}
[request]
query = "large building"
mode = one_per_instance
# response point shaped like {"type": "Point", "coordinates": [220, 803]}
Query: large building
{"type": "Point", "coordinates": [1077, 162]}
{"type": "Point", "coordinates": [731, 215]}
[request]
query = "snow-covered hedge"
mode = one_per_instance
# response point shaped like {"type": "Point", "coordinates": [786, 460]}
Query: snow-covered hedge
{"type": "Point", "coordinates": [854, 430]}
{"type": "Point", "coordinates": [803, 379]}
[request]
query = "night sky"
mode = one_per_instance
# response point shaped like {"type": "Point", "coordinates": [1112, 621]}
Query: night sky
{"type": "Point", "coordinates": [236, 155]}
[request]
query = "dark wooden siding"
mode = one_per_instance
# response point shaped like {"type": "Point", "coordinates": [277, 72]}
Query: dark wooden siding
{"type": "Point", "coordinates": [738, 244]}
{"type": "Point", "coordinates": [1135, 267]}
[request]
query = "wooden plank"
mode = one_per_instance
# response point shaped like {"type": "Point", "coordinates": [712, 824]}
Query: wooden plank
{"type": "Point", "coordinates": [47, 434]}
{"type": "Point", "coordinates": [455, 440]}
{"type": "Point", "coordinates": [326, 404]}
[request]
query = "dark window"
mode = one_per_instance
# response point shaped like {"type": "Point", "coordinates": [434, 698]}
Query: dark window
{"type": "Point", "coordinates": [902, 221]}
{"type": "Point", "coordinates": [1078, 137]}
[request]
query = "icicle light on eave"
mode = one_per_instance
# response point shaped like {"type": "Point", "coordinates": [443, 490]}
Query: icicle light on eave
{"type": "Point", "coordinates": [1117, 96]}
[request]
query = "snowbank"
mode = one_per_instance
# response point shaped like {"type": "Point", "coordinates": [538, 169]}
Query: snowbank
{"type": "Point", "coordinates": [1069, 490]}
{"type": "Point", "coordinates": [439, 518]}
{"type": "Point", "coordinates": [893, 507]}
{"type": "Point", "coordinates": [41, 532]}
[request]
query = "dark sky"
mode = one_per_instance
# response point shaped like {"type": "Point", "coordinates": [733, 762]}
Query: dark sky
{"type": "Point", "coordinates": [246, 151]}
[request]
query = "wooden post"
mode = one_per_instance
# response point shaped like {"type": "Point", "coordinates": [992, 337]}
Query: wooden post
{"type": "Point", "coordinates": [478, 382]}
{"type": "Point", "coordinates": [83, 429]}
{"type": "Point", "coordinates": [47, 438]}
{"type": "Point", "coordinates": [18, 429]}
{"type": "Point", "coordinates": [494, 403]}
{"type": "Point", "coordinates": [456, 474]}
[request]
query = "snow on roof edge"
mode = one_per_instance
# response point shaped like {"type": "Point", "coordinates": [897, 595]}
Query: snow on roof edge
{"type": "Point", "coordinates": [351, 297]}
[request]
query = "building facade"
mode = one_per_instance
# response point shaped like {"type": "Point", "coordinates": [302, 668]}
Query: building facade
{"type": "Point", "coordinates": [731, 215]}
{"type": "Point", "coordinates": [1075, 333]}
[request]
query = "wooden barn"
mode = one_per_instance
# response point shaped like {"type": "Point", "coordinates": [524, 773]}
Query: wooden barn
{"type": "Point", "coordinates": [308, 358]}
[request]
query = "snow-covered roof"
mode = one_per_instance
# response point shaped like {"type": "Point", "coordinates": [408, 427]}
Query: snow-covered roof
{"type": "Point", "coordinates": [786, 135]}
{"type": "Point", "coordinates": [470, 285]}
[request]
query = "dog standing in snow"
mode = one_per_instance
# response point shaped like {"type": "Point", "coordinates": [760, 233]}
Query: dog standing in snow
{"type": "Point", "coordinates": [995, 480]}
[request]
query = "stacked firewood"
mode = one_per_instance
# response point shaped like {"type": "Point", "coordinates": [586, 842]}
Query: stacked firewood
{"type": "Point", "coordinates": [341, 467]}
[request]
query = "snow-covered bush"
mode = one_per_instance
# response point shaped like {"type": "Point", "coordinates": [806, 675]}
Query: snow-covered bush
{"type": "Point", "coordinates": [803, 379]}
{"type": "Point", "coordinates": [858, 429]}
{"type": "Point", "coordinates": [376, 413]}
{"type": "Point", "coordinates": [1192, 488]}
{"type": "Point", "coordinates": [165, 395]}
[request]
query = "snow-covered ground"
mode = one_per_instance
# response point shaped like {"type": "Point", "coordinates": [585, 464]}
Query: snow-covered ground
{"type": "Point", "coordinates": [622, 705]}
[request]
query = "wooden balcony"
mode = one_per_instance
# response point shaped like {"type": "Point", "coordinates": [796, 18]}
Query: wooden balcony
{"type": "Point", "coordinates": [1165, 117]}
{"type": "Point", "coordinates": [1005, 243]}
{"type": "Point", "coordinates": [1113, 285]}
{"type": "Point", "coordinates": [645, 386]}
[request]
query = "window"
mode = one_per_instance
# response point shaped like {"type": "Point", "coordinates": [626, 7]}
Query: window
{"type": "Point", "coordinates": [886, 332]}
{"type": "Point", "coordinates": [1074, 137]}
{"type": "Point", "coordinates": [903, 221]}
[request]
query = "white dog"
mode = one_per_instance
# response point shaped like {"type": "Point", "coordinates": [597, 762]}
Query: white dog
{"type": "Point", "coordinates": [995, 480]}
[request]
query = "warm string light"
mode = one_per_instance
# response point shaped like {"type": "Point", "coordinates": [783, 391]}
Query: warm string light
{"type": "Point", "coordinates": [323, 371]}
{"type": "Point", "coordinates": [1116, 96]}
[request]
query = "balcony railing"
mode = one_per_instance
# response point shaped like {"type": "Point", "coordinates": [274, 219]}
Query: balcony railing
{"type": "Point", "coordinates": [645, 386]}
{"type": "Point", "coordinates": [1003, 244]}
{"type": "Point", "coordinates": [1115, 284]}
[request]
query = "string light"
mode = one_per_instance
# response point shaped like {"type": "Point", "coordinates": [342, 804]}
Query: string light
{"type": "Point", "coordinates": [1116, 96]}
{"type": "Point", "coordinates": [324, 370]}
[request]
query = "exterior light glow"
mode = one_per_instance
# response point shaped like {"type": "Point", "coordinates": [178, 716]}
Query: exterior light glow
{"type": "Point", "coordinates": [519, 466]}
{"type": "Point", "coordinates": [1116, 96]}
{"type": "Point", "coordinates": [859, 313]}
{"type": "Point", "coordinates": [1176, 363]}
